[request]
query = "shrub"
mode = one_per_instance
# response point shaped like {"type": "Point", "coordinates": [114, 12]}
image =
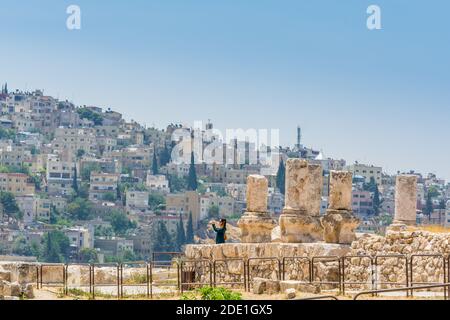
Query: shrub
{"type": "Point", "coordinates": [210, 293]}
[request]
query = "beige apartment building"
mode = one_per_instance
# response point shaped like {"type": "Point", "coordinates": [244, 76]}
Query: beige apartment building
{"type": "Point", "coordinates": [366, 171]}
{"type": "Point", "coordinates": [101, 184]}
{"type": "Point", "coordinates": [60, 175]}
{"type": "Point", "coordinates": [18, 184]}
{"type": "Point", "coordinates": [184, 203]}
{"type": "Point", "coordinates": [73, 140]}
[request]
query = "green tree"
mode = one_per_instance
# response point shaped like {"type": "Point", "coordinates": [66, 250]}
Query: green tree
{"type": "Point", "coordinates": [87, 169]}
{"type": "Point", "coordinates": [75, 180]}
{"type": "Point", "coordinates": [154, 164]}
{"type": "Point", "coordinates": [164, 157]}
{"type": "Point", "coordinates": [120, 222]}
{"type": "Point", "coordinates": [22, 247]}
{"type": "Point", "coordinates": [281, 177]}
{"type": "Point", "coordinates": [9, 204]}
{"type": "Point", "coordinates": [190, 230]}
{"type": "Point", "coordinates": [372, 187]}
{"type": "Point", "coordinates": [213, 211]}
{"type": "Point", "coordinates": [192, 176]}
{"type": "Point", "coordinates": [80, 153]}
{"type": "Point", "coordinates": [181, 234]}
{"type": "Point", "coordinates": [109, 196]}
{"type": "Point", "coordinates": [56, 247]}
{"type": "Point", "coordinates": [95, 117]}
{"type": "Point", "coordinates": [156, 201]}
{"type": "Point", "coordinates": [176, 183]}
{"type": "Point", "coordinates": [80, 209]}
{"type": "Point", "coordinates": [162, 241]}
{"type": "Point", "coordinates": [88, 255]}
{"type": "Point", "coordinates": [429, 206]}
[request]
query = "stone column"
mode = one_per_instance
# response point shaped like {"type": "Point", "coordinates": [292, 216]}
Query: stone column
{"type": "Point", "coordinates": [339, 223]}
{"type": "Point", "coordinates": [256, 225]}
{"type": "Point", "coordinates": [405, 202]}
{"type": "Point", "coordinates": [299, 221]}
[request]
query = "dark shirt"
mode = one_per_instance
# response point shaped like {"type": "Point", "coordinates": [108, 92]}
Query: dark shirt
{"type": "Point", "coordinates": [220, 234]}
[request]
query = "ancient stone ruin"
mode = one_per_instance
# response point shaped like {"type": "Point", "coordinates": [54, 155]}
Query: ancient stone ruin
{"type": "Point", "coordinates": [405, 202]}
{"type": "Point", "coordinates": [256, 225]}
{"type": "Point", "coordinates": [339, 223]}
{"type": "Point", "coordinates": [300, 221]}
{"type": "Point", "coordinates": [314, 253]}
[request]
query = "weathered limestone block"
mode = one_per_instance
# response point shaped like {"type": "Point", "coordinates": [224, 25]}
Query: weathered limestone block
{"type": "Point", "coordinates": [5, 275]}
{"type": "Point", "coordinates": [340, 197]}
{"type": "Point", "coordinates": [259, 286]}
{"type": "Point", "coordinates": [290, 293]}
{"type": "Point", "coordinates": [296, 180]}
{"type": "Point", "coordinates": [29, 291]}
{"type": "Point", "coordinates": [300, 228]}
{"type": "Point", "coordinates": [405, 199]}
{"type": "Point", "coordinates": [339, 226]}
{"type": "Point", "coordinates": [299, 286]}
{"type": "Point", "coordinates": [255, 228]}
{"type": "Point", "coordinates": [257, 192]}
{"type": "Point", "coordinates": [256, 225]}
{"type": "Point", "coordinates": [339, 223]}
{"type": "Point", "coordinates": [300, 221]}
{"type": "Point", "coordinates": [314, 189]}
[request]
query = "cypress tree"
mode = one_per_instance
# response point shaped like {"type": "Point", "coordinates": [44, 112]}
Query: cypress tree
{"type": "Point", "coordinates": [154, 164]}
{"type": "Point", "coordinates": [75, 180]}
{"type": "Point", "coordinates": [164, 158]}
{"type": "Point", "coordinates": [190, 230]}
{"type": "Point", "coordinates": [181, 235]}
{"type": "Point", "coordinates": [429, 206]}
{"type": "Point", "coordinates": [376, 200]}
{"type": "Point", "coordinates": [281, 176]}
{"type": "Point", "coordinates": [192, 177]}
{"type": "Point", "coordinates": [163, 242]}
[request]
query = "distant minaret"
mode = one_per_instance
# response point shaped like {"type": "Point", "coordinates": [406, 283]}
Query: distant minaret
{"type": "Point", "coordinates": [299, 138]}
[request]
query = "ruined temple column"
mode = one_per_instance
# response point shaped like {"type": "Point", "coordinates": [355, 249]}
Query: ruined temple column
{"type": "Point", "coordinates": [256, 225]}
{"type": "Point", "coordinates": [299, 221]}
{"type": "Point", "coordinates": [405, 202]}
{"type": "Point", "coordinates": [339, 223]}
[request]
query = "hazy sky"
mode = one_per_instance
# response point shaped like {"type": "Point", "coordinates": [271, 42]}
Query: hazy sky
{"type": "Point", "coordinates": [380, 97]}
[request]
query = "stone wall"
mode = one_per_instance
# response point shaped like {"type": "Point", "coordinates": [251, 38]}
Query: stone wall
{"type": "Point", "coordinates": [232, 271]}
{"type": "Point", "coordinates": [425, 269]}
{"type": "Point", "coordinates": [389, 271]}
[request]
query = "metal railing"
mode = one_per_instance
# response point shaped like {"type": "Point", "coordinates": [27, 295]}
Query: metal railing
{"type": "Point", "coordinates": [376, 260]}
{"type": "Point", "coordinates": [406, 289]}
{"type": "Point", "coordinates": [190, 277]}
{"type": "Point", "coordinates": [369, 267]}
{"type": "Point", "coordinates": [299, 260]}
{"type": "Point", "coordinates": [148, 277]}
{"type": "Point", "coordinates": [427, 255]}
{"type": "Point", "coordinates": [192, 273]}
{"type": "Point", "coordinates": [240, 261]}
{"type": "Point", "coordinates": [319, 298]}
{"type": "Point", "coordinates": [81, 285]}
{"type": "Point", "coordinates": [117, 282]}
{"type": "Point", "coordinates": [40, 275]}
{"type": "Point", "coordinates": [261, 259]}
{"type": "Point", "coordinates": [323, 260]}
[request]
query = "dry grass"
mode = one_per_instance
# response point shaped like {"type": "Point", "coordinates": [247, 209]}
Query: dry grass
{"type": "Point", "coordinates": [431, 228]}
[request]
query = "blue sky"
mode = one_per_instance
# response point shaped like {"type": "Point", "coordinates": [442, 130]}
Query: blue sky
{"type": "Point", "coordinates": [380, 97]}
